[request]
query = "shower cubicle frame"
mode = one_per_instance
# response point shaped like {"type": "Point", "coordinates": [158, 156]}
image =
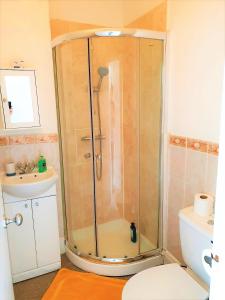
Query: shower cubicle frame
{"type": "Point", "coordinates": [123, 266]}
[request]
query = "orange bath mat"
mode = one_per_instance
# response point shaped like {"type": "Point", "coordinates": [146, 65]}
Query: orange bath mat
{"type": "Point", "coordinates": [71, 285]}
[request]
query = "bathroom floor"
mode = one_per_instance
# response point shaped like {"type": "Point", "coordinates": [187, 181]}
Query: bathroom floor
{"type": "Point", "coordinates": [34, 289]}
{"type": "Point", "coordinates": [113, 240]}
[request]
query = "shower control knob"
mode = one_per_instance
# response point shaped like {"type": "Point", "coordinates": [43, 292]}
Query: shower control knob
{"type": "Point", "coordinates": [87, 155]}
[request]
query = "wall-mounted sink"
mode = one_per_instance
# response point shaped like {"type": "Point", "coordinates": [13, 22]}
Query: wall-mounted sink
{"type": "Point", "coordinates": [29, 185]}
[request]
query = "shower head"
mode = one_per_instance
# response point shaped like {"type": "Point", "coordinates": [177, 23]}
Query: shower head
{"type": "Point", "coordinates": [103, 71]}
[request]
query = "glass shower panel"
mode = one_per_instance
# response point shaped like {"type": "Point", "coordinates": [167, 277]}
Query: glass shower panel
{"type": "Point", "coordinates": [151, 60]}
{"type": "Point", "coordinates": [75, 128]}
{"type": "Point", "coordinates": [114, 77]}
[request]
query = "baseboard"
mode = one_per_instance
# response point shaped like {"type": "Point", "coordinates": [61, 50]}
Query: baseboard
{"type": "Point", "coordinates": [62, 245]}
{"type": "Point", "coordinates": [36, 272]}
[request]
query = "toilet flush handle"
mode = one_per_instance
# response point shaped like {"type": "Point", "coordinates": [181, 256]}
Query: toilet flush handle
{"type": "Point", "coordinates": [215, 257]}
{"type": "Point", "coordinates": [209, 259]}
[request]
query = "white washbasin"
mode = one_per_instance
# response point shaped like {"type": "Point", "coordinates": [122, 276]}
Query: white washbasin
{"type": "Point", "coordinates": [29, 185]}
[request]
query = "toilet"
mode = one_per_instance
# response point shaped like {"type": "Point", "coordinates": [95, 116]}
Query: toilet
{"type": "Point", "coordinates": [171, 281]}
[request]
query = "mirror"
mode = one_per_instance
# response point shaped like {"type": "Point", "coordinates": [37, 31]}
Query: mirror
{"type": "Point", "coordinates": [19, 101]}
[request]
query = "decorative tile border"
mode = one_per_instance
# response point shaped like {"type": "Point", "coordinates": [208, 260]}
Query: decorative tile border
{"type": "Point", "coordinates": [178, 141]}
{"type": "Point", "coordinates": [28, 139]}
{"type": "Point", "coordinates": [175, 140]}
{"type": "Point", "coordinates": [194, 144]}
{"type": "Point", "coordinates": [213, 148]}
{"type": "Point", "coordinates": [197, 145]}
{"type": "Point", "coordinates": [4, 141]}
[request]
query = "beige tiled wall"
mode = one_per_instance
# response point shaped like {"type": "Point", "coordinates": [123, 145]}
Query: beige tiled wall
{"type": "Point", "coordinates": [107, 52]}
{"type": "Point", "coordinates": [151, 59]}
{"type": "Point", "coordinates": [131, 129]}
{"type": "Point", "coordinates": [192, 169]}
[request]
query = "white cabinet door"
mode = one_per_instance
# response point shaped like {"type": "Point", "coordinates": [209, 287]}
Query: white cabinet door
{"type": "Point", "coordinates": [21, 238]}
{"type": "Point", "coordinates": [6, 287]}
{"type": "Point", "coordinates": [46, 230]}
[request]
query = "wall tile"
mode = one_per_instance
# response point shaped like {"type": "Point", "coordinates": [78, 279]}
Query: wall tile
{"type": "Point", "coordinates": [197, 145]}
{"type": "Point", "coordinates": [176, 193]}
{"type": "Point", "coordinates": [177, 159]}
{"type": "Point", "coordinates": [5, 156]}
{"type": "Point", "coordinates": [196, 168]}
{"type": "Point", "coordinates": [213, 149]}
{"type": "Point", "coordinates": [4, 140]}
{"type": "Point", "coordinates": [176, 140]}
{"type": "Point", "coordinates": [16, 140]}
{"type": "Point", "coordinates": [192, 188]}
{"type": "Point", "coordinates": [211, 176]}
{"type": "Point", "coordinates": [192, 169]}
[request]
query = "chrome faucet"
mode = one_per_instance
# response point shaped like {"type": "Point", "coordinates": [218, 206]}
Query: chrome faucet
{"type": "Point", "coordinates": [26, 167]}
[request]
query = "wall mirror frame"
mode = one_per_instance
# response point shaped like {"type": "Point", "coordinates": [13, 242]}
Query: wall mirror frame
{"type": "Point", "coordinates": [19, 99]}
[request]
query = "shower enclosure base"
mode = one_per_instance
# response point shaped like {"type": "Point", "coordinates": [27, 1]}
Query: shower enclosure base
{"type": "Point", "coordinates": [118, 269]}
{"type": "Point", "coordinates": [114, 240]}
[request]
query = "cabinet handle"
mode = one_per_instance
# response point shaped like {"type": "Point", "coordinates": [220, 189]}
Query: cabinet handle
{"type": "Point", "coordinates": [36, 203]}
{"type": "Point", "coordinates": [18, 220]}
{"type": "Point", "coordinates": [26, 205]}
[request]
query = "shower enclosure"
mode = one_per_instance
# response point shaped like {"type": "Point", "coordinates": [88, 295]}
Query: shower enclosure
{"type": "Point", "coordinates": [109, 92]}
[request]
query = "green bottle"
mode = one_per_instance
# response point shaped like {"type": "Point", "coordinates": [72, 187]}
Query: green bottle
{"type": "Point", "coordinates": [42, 167]}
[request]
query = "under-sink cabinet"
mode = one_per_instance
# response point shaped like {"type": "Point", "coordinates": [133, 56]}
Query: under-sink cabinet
{"type": "Point", "coordinates": [34, 245]}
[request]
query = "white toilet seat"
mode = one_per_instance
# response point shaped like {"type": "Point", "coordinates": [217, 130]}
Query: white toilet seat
{"type": "Point", "coordinates": [166, 282]}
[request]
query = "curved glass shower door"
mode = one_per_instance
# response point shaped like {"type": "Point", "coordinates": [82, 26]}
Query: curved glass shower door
{"type": "Point", "coordinates": [126, 85]}
{"type": "Point", "coordinates": [109, 108]}
{"type": "Point", "coordinates": [116, 102]}
{"type": "Point", "coordinates": [72, 71]}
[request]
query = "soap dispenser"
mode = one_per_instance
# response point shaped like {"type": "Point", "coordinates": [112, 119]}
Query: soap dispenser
{"type": "Point", "coordinates": [42, 166]}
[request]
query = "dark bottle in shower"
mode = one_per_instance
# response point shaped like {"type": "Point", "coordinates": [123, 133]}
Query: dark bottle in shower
{"type": "Point", "coordinates": [133, 232]}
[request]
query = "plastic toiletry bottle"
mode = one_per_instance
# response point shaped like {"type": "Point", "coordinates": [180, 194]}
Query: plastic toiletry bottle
{"type": "Point", "coordinates": [133, 232]}
{"type": "Point", "coordinates": [42, 166]}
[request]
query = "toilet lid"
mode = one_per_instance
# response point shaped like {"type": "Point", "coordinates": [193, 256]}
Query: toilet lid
{"type": "Point", "coordinates": [167, 282]}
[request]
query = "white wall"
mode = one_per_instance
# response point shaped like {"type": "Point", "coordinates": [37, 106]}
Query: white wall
{"type": "Point", "coordinates": [25, 34]}
{"type": "Point", "coordinates": [115, 13]}
{"type": "Point", "coordinates": [195, 67]}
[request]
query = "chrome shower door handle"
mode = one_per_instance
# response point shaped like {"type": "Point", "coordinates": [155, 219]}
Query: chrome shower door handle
{"type": "Point", "coordinates": [98, 156]}
{"type": "Point", "coordinates": [98, 165]}
{"type": "Point", "coordinates": [18, 220]}
{"type": "Point", "coordinates": [86, 138]}
{"type": "Point", "coordinates": [89, 138]}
